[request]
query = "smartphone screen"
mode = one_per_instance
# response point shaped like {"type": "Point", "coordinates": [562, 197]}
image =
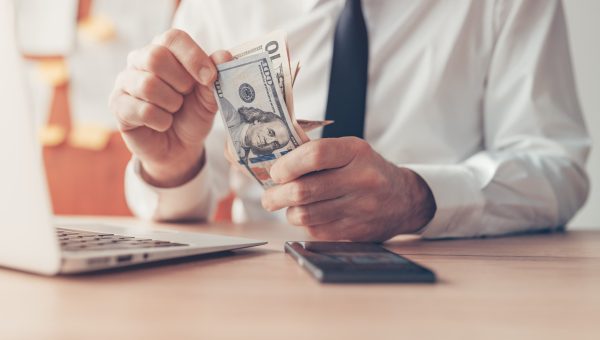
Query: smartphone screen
{"type": "Point", "coordinates": [356, 262]}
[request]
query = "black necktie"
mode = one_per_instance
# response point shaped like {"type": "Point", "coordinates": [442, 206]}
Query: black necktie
{"type": "Point", "coordinates": [348, 83]}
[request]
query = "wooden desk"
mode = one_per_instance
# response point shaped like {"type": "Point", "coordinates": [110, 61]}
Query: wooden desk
{"type": "Point", "coordinates": [530, 287]}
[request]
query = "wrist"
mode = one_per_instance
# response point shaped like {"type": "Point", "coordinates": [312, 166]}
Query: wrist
{"type": "Point", "coordinates": [422, 206]}
{"type": "Point", "coordinates": [172, 174]}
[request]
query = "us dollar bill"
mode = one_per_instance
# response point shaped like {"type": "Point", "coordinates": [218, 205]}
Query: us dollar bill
{"type": "Point", "coordinates": [309, 125]}
{"type": "Point", "coordinates": [275, 44]}
{"type": "Point", "coordinates": [255, 114]}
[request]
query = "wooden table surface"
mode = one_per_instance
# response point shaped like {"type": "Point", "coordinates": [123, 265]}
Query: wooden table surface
{"type": "Point", "coordinates": [544, 286]}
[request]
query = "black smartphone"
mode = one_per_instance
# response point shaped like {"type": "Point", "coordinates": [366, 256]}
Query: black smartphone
{"type": "Point", "coordinates": [355, 262]}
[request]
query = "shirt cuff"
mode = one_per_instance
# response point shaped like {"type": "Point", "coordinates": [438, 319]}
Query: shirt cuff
{"type": "Point", "coordinates": [191, 200]}
{"type": "Point", "coordinates": [458, 199]}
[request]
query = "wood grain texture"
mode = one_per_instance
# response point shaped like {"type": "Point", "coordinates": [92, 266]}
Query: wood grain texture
{"type": "Point", "coordinates": [488, 289]}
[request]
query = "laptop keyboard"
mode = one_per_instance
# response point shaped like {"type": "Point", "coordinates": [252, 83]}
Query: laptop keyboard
{"type": "Point", "coordinates": [78, 240]}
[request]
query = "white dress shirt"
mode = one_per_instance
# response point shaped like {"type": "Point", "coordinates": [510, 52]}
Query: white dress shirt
{"type": "Point", "coordinates": [476, 96]}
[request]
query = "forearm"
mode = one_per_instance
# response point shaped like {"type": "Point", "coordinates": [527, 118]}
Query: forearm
{"type": "Point", "coordinates": [495, 194]}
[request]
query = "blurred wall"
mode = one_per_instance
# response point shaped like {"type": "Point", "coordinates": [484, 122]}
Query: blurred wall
{"type": "Point", "coordinates": [584, 30]}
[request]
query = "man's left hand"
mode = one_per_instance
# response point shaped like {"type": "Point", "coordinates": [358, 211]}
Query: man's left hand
{"type": "Point", "coordinates": [341, 189]}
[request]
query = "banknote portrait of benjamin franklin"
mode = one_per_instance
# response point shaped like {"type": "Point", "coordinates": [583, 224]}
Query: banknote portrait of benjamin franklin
{"type": "Point", "coordinates": [254, 130]}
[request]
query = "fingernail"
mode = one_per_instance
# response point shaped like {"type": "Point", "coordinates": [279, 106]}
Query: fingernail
{"type": "Point", "coordinates": [206, 75]}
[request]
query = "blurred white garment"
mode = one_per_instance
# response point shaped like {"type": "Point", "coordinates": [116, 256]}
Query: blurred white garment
{"type": "Point", "coordinates": [476, 96]}
{"type": "Point", "coordinates": [46, 28]}
{"type": "Point", "coordinates": [94, 65]}
{"type": "Point", "coordinates": [40, 94]}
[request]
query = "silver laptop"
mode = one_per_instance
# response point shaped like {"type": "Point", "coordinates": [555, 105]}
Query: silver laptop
{"type": "Point", "coordinates": [28, 239]}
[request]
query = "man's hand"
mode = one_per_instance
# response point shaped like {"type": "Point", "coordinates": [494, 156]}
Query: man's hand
{"type": "Point", "coordinates": [165, 106]}
{"type": "Point", "coordinates": [341, 189]}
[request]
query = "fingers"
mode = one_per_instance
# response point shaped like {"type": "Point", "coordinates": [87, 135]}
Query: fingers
{"type": "Point", "coordinates": [132, 113]}
{"type": "Point", "coordinates": [158, 60]}
{"type": "Point", "coordinates": [312, 188]}
{"type": "Point", "coordinates": [157, 78]}
{"type": "Point", "coordinates": [148, 87]}
{"type": "Point", "coordinates": [317, 213]}
{"type": "Point", "coordinates": [326, 153]}
{"type": "Point", "coordinates": [189, 54]}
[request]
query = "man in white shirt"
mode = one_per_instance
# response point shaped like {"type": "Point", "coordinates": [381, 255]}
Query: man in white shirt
{"type": "Point", "coordinates": [472, 125]}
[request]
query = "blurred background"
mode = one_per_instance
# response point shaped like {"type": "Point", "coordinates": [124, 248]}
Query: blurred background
{"type": "Point", "coordinates": [75, 48]}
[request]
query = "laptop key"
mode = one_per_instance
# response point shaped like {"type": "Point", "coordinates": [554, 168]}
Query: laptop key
{"type": "Point", "coordinates": [74, 240]}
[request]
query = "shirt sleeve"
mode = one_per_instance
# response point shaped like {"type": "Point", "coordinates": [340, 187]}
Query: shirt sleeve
{"type": "Point", "coordinates": [190, 201]}
{"type": "Point", "coordinates": [530, 174]}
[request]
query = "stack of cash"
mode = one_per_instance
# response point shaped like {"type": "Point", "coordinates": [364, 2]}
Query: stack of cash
{"type": "Point", "coordinates": [254, 93]}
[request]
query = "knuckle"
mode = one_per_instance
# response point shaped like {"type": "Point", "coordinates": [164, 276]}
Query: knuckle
{"type": "Point", "coordinates": [317, 153]}
{"type": "Point", "coordinates": [305, 216]}
{"type": "Point", "coordinates": [373, 178]}
{"type": "Point", "coordinates": [381, 181]}
{"type": "Point", "coordinates": [301, 216]}
{"type": "Point", "coordinates": [125, 119]}
{"type": "Point", "coordinates": [299, 192]}
{"type": "Point", "coordinates": [155, 57]}
{"type": "Point", "coordinates": [360, 145]}
{"type": "Point", "coordinates": [172, 35]}
{"type": "Point", "coordinates": [146, 112]}
{"type": "Point", "coordinates": [147, 86]}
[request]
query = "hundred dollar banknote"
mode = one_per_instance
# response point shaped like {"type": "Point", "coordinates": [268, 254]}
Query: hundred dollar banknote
{"type": "Point", "coordinates": [259, 162]}
{"type": "Point", "coordinates": [255, 114]}
{"type": "Point", "coordinates": [275, 44]}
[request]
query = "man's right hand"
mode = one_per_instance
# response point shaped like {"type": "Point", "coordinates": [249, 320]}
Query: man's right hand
{"type": "Point", "coordinates": [165, 106]}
